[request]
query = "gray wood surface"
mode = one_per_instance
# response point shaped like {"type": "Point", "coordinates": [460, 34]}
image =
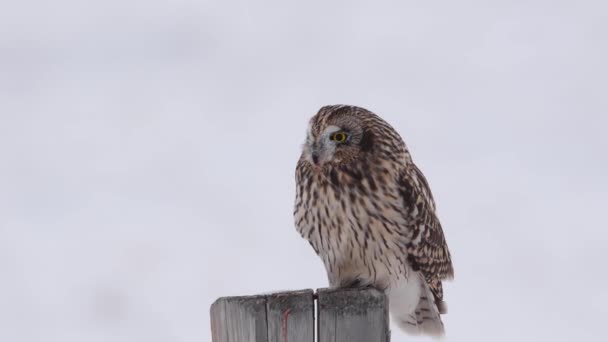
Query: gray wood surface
{"type": "Point", "coordinates": [291, 317]}
{"type": "Point", "coordinates": [346, 315]}
{"type": "Point", "coordinates": [239, 319]}
{"type": "Point", "coordinates": [352, 315]}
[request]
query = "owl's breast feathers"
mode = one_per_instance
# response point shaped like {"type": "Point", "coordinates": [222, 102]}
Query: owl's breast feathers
{"type": "Point", "coordinates": [372, 220]}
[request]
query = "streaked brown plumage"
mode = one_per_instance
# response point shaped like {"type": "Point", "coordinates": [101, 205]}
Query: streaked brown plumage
{"type": "Point", "coordinates": [368, 212]}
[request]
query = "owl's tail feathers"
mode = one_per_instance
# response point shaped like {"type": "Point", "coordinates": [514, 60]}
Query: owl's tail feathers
{"type": "Point", "coordinates": [425, 318]}
{"type": "Point", "coordinates": [423, 321]}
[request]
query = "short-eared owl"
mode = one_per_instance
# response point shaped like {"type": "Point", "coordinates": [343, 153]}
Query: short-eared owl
{"type": "Point", "coordinates": [368, 212]}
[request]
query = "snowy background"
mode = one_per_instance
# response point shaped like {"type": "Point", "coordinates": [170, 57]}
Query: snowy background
{"type": "Point", "coordinates": [147, 155]}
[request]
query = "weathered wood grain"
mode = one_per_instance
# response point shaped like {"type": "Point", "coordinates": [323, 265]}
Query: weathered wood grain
{"type": "Point", "coordinates": [352, 315]}
{"type": "Point", "coordinates": [291, 316]}
{"type": "Point", "coordinates": [345, 315]}
{"type": "Point", "coordinates": [239, 319]}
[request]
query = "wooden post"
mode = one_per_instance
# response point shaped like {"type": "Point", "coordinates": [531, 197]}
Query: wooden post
{"type": "Point", "coordinates": [239, 319]}
{"type": "Point", "coordinates": [353, 315]}
{"type": "Point", "coordinates": [291, 317]}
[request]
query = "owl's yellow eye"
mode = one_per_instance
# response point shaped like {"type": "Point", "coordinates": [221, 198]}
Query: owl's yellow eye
{"type": "Point", "coordinates": [339, 137]}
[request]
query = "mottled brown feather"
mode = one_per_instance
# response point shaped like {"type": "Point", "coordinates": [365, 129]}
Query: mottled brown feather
{"type": "Point", "coordinates": [430, 255]}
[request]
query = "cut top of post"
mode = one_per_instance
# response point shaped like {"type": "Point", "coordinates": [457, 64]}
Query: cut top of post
{"type": "Point", "coordinates": [353, 315]}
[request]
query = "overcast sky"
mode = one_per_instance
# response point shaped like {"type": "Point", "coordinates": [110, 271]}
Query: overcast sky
{"type": "Point", "coordinates": [148, 148]}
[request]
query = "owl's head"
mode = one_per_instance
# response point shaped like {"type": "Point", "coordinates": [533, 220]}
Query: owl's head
{"type": "Point", "coordinates": [338, 135]}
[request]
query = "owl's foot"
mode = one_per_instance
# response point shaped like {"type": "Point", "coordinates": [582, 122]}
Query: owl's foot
{"type": "Point", "coordinates": [358, 283]}
{"type": "Point", "coordinates": [354, 283]}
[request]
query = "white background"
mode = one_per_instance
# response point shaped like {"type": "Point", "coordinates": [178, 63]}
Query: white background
{"type": "Point", "coordinates": [147, 155]}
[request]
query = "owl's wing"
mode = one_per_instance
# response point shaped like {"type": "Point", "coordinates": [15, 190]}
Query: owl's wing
{"type": "Point", "coordinates": [427, 250]}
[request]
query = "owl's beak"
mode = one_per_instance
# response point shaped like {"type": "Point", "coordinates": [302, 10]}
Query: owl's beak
{"type": "Point", "coordinates": [315, 158]}
{"type": "Point", "coordinates": [317, 154]}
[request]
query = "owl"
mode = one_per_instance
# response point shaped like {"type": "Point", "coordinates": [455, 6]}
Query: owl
{"type": "Point", "coordinates": [368, 212]}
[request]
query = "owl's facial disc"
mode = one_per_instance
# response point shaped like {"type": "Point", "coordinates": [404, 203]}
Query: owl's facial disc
{"type": "Point", "coordinates": [321, 149]}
